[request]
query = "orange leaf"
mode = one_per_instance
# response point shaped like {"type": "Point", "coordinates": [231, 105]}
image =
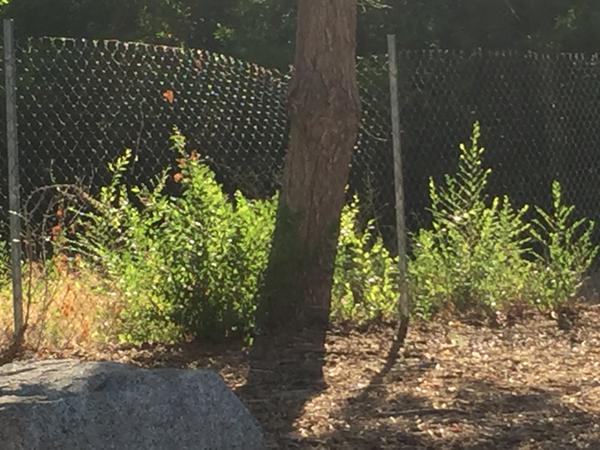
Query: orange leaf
{"type": "Point", "coordinates": [169, 96]}
{"type": "Point", "coordinates": [56, 229]}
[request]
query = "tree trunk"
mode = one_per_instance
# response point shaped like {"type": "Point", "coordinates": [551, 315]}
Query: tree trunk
{"type": "Point", "coordinates": [324, 110]}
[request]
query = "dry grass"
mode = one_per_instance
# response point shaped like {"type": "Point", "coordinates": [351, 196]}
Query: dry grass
{"type": "Point", "coordinates": [69, 306]}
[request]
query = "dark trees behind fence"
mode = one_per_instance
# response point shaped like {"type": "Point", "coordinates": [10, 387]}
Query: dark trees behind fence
{"type": "Point", "coordinates": [81, 103]}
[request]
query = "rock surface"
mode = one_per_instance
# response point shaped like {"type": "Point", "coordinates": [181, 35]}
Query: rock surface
{"type": "Point", "coordinates": [68, 404]}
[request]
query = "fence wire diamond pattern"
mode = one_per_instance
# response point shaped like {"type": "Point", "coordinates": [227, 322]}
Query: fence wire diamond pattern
{"type": "Point", "coordinates": [81, 103]}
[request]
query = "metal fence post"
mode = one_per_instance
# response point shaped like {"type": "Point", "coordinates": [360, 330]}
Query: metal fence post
{"type": "Point", "coordinates": [14, 202]}
{"type": "Point", "coordinates": [403, 301]}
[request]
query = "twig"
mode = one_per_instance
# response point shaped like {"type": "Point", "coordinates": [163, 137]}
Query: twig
{"type": "Point", "coordinates": [421, 412]}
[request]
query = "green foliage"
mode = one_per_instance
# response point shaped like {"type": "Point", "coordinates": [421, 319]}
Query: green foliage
{"type": "Point", "coordinates": [4, 263]}
{"type": "Point", "coordinates": [474, 253]}
{"type": "Point", "coordinates": [223, 247]}
{"type": "Point", "coordinates": [568, 250]}
{"type": "Point", "coordinates": [191, 264]}
{"type": "Point", "coordinates": [185, 265]}
{"type": "Point", "coordinates": [478, 255]}
{"type": "Point", "coordinates": [366, 275]}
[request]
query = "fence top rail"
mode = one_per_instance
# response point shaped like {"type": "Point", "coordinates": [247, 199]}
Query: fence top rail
{"type": "Point", "coordinates": [116, 44]}
{"type": "Point", "coordinates": [199, 56]}
{"type": "Point", "coordinates": [496, 53]}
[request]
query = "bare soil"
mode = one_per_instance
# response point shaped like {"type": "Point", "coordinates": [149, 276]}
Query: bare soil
{"type": "Point", "coordinates": [526, 385]}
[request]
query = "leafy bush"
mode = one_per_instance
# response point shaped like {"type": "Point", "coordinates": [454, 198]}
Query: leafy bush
{"type": "Point", "coordinates": [190, 265]}
{"type": "Point", "coordinates": [473, 255]}
{"type": "Point", "coordinates": [478, 254]}
{"type": "Point", "coordinates": [366, 275]}
{"type": "Point", "coordinates": [4, 263]}
{"type": "Point", "coordinates": [568, 251]}
{"type": "Point", "coordinates": [187, 264]}
{"type": "Point", "coordinates": [3, 255]}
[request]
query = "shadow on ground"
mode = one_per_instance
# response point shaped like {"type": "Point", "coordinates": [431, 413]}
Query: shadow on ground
{"type": "Point", "coordinates": [395, 410]}
{"type": "Point", "coordinates": [284, 373]}
{"type": "Point", "coordinates": [527, 386]}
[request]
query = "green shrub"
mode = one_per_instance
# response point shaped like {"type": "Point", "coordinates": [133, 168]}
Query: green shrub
{"type": "Point", "coordinates": [4, 264]}
{"type": "Point", "coordinates": [568, 252]}
{"type": "Point", "coordinates": [3, 254]}
{"type": "Point", "coordinates": [190, 265]}
{"type": "Point", "coordinates": [473, 256]}
{"type": "Point", "coordinates": [477, 254]}
{"type": "Point", "coordinates": [185, 265]}
{"type": "Point", "coordinates": [224, 247]}
{"type": "Point", "coordinates": [366, 275]}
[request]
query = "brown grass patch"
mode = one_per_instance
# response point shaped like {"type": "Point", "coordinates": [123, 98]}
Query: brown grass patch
{"type": "Point", "coordinates": [69, 306]}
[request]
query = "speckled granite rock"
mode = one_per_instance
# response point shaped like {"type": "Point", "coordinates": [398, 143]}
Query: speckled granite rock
{"type": "Point", "coordinates": [67, 404]}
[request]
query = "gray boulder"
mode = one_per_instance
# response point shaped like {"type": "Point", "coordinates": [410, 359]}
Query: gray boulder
{"type": "Point", "coordinates": [68, 404]}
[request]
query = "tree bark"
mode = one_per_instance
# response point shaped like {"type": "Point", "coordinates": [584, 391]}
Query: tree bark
{"type": "Point", "coordinates": [324, 110]}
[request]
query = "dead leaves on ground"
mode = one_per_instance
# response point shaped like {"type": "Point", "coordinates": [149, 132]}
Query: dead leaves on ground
{"type": "Point", "coordinates": [529, 385]}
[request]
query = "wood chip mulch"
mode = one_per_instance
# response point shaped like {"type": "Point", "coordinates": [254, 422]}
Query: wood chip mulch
{"type": "Point", "coordinates": [529, 385]}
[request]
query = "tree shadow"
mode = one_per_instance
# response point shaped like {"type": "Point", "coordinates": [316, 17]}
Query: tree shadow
{"type": "Point", "coordinates": [365, 432]}
{"type": "Point", "coordinates": [285, 372]}
{"type": "Point", "coordinates": [532, 416]}
{"type": "Point", "coordinates": [481, 415]}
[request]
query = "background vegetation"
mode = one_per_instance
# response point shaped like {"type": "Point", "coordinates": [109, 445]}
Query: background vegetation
{"type": "Point", "coordinates": [263, 30]}
{"type": "Point", "coordinates": [145, 265]}
{"type": "Point", "coordinates": [190, 265]}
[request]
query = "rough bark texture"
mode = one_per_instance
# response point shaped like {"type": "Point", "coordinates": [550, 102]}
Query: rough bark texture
{"type": "Point", "coordinates": [324, 111]}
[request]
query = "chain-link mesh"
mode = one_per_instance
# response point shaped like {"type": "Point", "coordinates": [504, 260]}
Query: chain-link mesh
{"type": "Point", "coordinates": [538, 115]}
{"type": "Point", "coordinates": [82, 102]}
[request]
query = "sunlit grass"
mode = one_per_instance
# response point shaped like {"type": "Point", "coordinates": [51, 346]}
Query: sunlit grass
{"type": "Point", "coordinates": [68, 305]}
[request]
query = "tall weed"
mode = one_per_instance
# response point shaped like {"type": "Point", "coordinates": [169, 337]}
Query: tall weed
{"type": "Point", "coordinates": [568, 251]}
{"type": "Point", "coordinates": [4, 263]}
{"type": "Point", "coordinates": [366, 274]}
{"type": "Point", "coordinates": [478, 252]}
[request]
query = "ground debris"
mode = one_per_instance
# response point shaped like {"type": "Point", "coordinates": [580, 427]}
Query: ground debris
{"type": "Point", "coordinates": [527, 385]}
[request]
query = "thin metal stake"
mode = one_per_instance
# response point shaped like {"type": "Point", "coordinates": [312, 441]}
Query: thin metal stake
{"type": "Point", "coordinates": [14, 201]}
{"type": "Point", "coordinates": [403, 301]}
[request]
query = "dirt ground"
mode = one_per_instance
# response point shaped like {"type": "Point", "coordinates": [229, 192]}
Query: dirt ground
{"type": "Point", "coordinates": [529, 385]}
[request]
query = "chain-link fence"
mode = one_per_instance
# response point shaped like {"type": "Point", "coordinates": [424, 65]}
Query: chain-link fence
{"type": "Point", "coordinates": [82, 102]}
{"type": "Point", "coordinates": [539, 116]}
